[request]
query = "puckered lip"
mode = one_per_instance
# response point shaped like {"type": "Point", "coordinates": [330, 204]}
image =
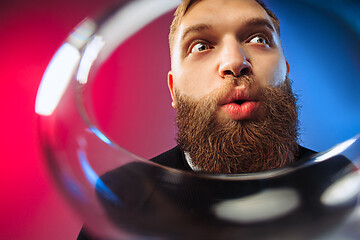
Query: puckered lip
{"type": "Point", "coordinates": [239, 95]}
{"type": "Point", "coordinates": [241, 103]}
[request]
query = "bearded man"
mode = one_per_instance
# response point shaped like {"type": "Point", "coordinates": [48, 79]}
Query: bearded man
{"type": "Point", "coordinates": [236, 112]}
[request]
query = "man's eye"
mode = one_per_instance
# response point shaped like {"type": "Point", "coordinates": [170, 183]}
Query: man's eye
{"type": "Point", "coordinates": [199, 47]}
{"type": "Point", "coordinates": [259, 40]}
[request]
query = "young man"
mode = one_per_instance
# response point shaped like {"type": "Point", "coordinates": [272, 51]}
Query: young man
{"type": "Point", "coordinates": [236, 112]}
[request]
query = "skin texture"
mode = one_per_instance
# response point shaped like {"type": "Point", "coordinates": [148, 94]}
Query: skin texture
{"type": "Point", "coordinates": [220, 40]}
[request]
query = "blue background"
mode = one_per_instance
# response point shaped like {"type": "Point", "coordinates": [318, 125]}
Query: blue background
{"type": "Point", "coordinates": [321, 43]}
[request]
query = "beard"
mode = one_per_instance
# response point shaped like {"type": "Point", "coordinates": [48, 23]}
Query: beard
{"type": "Point", "coordinates": [243, 146]}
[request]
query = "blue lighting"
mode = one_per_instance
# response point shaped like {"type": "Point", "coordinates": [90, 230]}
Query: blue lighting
{"type": "Point", "coordinates": [94, 179]}
{"type": "Point", "coordinates": [100, 135]}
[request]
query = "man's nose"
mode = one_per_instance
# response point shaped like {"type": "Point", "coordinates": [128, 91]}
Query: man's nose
{"type": "Point", "coordinates": [234, 60]}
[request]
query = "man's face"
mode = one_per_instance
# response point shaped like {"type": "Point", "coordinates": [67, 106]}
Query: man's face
{"type": "Point", "coordinates": [236, 112]}
{"type": "Point", "coordinates": [218, 41]}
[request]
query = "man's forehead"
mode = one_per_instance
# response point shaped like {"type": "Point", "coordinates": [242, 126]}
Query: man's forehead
{"type": "Point", "coordinates": [212, 12]}
{"type": "Point", "coordinates": [209, 3]}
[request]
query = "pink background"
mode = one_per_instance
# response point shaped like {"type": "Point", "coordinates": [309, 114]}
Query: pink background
{"type": "Point", "coordinates": [129, 95]}
{"type": "Point", "coordinates": [31, 32]}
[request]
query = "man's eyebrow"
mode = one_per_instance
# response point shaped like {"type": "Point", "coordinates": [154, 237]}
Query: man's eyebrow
{"type": "Point", "coordinates": [253, 22]}
{"type": "Point", "coordinates": [258, 22]}
{"type": "Point", "coordinates": [195, 28]}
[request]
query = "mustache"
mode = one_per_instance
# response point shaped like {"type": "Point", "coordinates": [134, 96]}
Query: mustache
{"type": "Point", "coordinates": [230, 82]}
{"type": "Point", "coordinates": [247, 79]}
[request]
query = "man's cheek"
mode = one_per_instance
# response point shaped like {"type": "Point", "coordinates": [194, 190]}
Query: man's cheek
{"type": "Point", "coordinates": [278, 73]}
{"type": "Point", "coordinates": [273, 78]}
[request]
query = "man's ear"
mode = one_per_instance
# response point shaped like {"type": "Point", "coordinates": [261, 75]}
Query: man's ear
{"type": "Point", "coordinates": [171, 88]}
{"type": "Point", "coordinates": [287, 67]}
